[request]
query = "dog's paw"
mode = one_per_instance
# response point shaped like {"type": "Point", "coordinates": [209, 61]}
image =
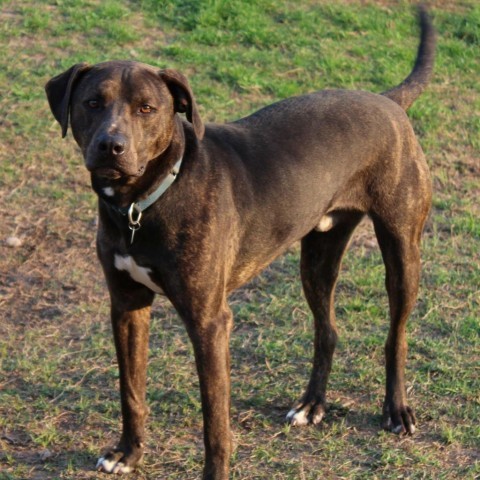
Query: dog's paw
{"type": "Point", "coordinates": [114, 462]}
{"type": "Point", "coordinates": [400, 421]}
{"type": "Point", "coordinates": [306, 413]}
{"type": "Point", "coordinates": [112, 466]}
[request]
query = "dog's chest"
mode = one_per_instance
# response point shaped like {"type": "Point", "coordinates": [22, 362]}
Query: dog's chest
{"type": "Point", "coordinates": [138, 273]}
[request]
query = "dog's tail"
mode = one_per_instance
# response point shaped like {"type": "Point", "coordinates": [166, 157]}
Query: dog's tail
{"type": "Point", "coordinates": [408, 91]}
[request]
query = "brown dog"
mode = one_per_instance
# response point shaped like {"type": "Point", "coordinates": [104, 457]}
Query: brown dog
{"type": "Point", "coordinates": [193, 212]}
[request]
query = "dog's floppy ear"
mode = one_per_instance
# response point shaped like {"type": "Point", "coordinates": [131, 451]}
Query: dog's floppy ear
{"type": "Point", "coordinates": [59, 90]}
{"type": "Point", "coordinates": [183, 98]}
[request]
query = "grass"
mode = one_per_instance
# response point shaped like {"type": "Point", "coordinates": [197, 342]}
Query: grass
{"type": "Point", "coordinates": [58, 377]}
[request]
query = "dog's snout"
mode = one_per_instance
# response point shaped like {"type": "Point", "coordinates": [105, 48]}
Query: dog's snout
{"type": "Point", "coordinates": [112, 145]}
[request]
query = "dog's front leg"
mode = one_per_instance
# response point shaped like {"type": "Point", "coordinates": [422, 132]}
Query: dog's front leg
{"type": "Point", "coordinates": [131, 331]}
{"type": "Point", "coordinates": [210, 340]}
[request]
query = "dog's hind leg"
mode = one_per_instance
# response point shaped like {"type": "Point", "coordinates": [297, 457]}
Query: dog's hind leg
{"type": "Point", "coordinates": [321, 258]}
{"type": "Point", "coordinates": [401, 254]}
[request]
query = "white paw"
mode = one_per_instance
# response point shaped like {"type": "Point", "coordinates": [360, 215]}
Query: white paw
{"type": "Point", "coordinates": [297, 418]}
{"type": "Point", "coordinates": [398, 429]}
{"type": "Point", "coordinates": [112, 466]}
{"type": "Point", "coordinates": [317, 418]}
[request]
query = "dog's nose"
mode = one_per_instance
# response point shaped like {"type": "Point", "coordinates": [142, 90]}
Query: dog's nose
{"type": "Point", "coordinates": [112, 144]}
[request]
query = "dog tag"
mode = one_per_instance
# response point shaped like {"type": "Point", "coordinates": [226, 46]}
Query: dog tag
{"type": "Point", "coordinates": [134, 222]}
{"type": "Point", "coordinates": [133, 228]}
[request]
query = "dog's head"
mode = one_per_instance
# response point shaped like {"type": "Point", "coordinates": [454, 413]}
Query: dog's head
{"type": "Point", "coordinates": [122, 114]}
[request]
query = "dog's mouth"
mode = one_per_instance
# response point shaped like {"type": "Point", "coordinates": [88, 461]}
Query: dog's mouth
{"type": "Point", "coordinates": [107, 173]}
{"type": "Point", "coordinates": [110, 173]}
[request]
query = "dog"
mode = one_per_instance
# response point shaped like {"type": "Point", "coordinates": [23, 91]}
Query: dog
{"type": "Point", "coordinates": [194, 211]}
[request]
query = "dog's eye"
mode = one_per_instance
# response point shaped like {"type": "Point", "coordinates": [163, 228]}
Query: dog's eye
{"type": "Point", "coordinates": [145, 108]}
{"type": "Point", "coordinates": [93, 104]}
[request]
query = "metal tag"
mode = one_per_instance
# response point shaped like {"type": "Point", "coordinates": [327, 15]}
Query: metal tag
{"type": "Point", "coordinates": [134, 221]}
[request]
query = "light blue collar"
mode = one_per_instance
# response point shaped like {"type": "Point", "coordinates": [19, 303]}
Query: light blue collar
{"type": "Point", "coordinates": [142, 205]}
{"type": "Point", "coordinates": [135, 210]}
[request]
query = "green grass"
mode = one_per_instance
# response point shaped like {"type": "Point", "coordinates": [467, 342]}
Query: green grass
{"type": "Point", "coordinates": [59, 403]}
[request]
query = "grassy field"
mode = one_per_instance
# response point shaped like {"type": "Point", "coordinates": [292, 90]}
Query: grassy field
{"type": "Point", "coordinates": [59, 402]}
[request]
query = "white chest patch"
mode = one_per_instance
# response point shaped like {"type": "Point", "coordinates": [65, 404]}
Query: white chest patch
{"type": "Point", "coordinates": [138, 273]}
{"type": "Point", "coordinates": [108, 191]}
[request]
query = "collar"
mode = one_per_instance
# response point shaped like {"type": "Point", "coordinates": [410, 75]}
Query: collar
{"type": "Point", "coordinates": [142, 205]}
{"type": "Point", "coordinates": [135, 210]}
